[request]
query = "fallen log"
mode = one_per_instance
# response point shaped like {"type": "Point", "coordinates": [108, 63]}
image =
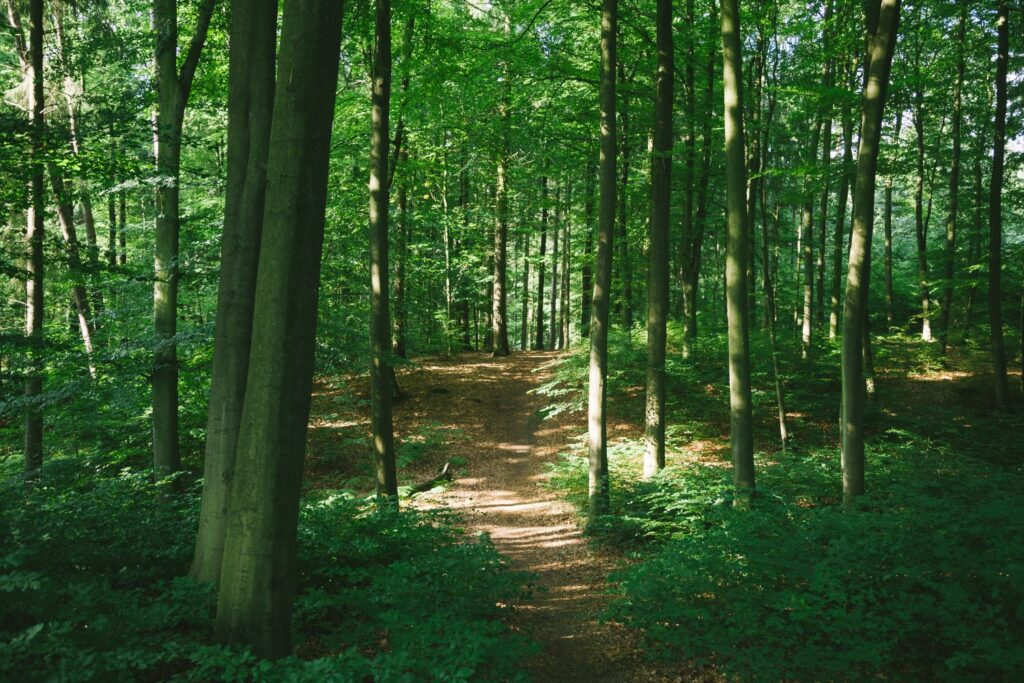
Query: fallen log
{"type": "Point", "coordinates": [444, 475]}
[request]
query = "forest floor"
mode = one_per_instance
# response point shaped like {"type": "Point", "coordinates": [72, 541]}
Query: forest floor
{"type": "Point", "coordinates": [484, 411]}
{"type": "Point", "coordinates": [484, 416]}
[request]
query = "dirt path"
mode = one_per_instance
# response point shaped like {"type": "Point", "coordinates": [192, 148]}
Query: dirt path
{"type": "Point", "coordinates": [500, 492]}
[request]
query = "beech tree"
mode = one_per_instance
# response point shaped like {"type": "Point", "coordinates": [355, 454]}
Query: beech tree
{"type": "Point", "coordinates": [597, 422]}
{"type": "Point", "coordinates": [882, 22]}
{"type": "Point", "coordinates": [257, 576]}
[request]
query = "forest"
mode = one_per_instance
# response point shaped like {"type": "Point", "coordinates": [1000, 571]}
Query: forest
{"type": "Point", "coordinates": [468, 340]}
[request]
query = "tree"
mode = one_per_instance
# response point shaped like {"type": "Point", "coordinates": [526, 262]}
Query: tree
{"type": "Point", "coordinates": [954, 183]}
{"type": "Point", "coordinates": [598, 485]}
{"type": "Point", "coordinates": [381, 379]}
{"type": "Point", "coordinates": [257, 578]}
{"type": "Point", "coordinates": [173, 89]}
{"type": "Point", "coordinates": [882, 22]}
{"type": "Point", "coordinates": [657, 274]}
{"type": "Point", "coordinates": [740, 417]}
{"type": "Point", "coordinates": [995, 210]}
{"type": "Point", "coordinates": [250, 108]}
{"type": "Point", "coordinates": [499, 297]}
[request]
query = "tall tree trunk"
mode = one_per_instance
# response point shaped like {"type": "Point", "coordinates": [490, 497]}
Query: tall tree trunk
{"type": "Point", "coordinates": [499, 301]}
{"type": "Point", "coordinates": [598, 484]}
{"type": "Point", "coordinates": [79, 296]}
{"type": "Point", "coordinates": [696, 243]}
{"type": "Point", "coordinates": [826, 162]}
{"type": "Point", "coordinates": [253, 44]}
{"type": "Point", "coordinates": [33, 64]}
{"type": "Point", "coordinates": [837, 235]}
{"type": "Point", "coordinates": [554, 269]}
{"type": "Point", "coordinates": [122, 238]}
{"type": "Point", "coordinates": [588, 248]}
{"type": "Point", "coordinates": [172, 96]}
{"type": "Point", "coordinates": [740, 417]}
{"type": "Point", "coordinates": [563, 306]}
{"type": "Point", "coordinates": [689, 160]}
{"type": "Point", "coordinates": [381, 379]}
{"type": "Point", "coordinates": [625, 263]}
{"type": "Point", "coordinates": [401, 158]}
{"type": "Point", "coordinates": [657, 273]}
{"type": "Point", "coordinates": [258, 575]}
{"type": "Point", "coordinates": [954, 186]}
{"type": "Point", "coordinates": [538, 343]}
{"type": "Point", "coordinates": [807, 250]}
{"type": "Point", "coordinates": [920, 224]}
{"type": "Point", "coordinates": [995, 211]}
{"type": "Point", "coordinates": [883, 22]}
{"type": "Point", "coordinates": [524, 323]}
{"type": "Point", "coordinates": [974, 249]}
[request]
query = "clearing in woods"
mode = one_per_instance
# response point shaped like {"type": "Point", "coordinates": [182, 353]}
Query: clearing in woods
{"type": "Point", "coordinates": [492, 427]}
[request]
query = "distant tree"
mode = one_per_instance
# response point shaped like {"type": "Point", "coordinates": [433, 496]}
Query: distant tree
{"type": "Point", "coordinates": [172, 92]}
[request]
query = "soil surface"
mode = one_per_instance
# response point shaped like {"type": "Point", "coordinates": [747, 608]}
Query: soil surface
{"type": "Point", "coordinates": [505, 448]}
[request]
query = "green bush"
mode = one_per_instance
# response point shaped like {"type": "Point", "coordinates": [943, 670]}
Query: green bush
{"type": "Point", "coordinates": [923, 580]}
{"type": "Point", "coordinates": [91, 580]}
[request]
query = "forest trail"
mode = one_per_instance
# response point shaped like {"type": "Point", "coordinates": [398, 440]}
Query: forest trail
{"type": "Point", "coordinates": [500, 492]}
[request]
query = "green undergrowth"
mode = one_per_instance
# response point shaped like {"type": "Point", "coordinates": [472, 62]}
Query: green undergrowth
{"type": "Point", "coordinates": [922, 579]}
{"type": "Point", "coordinates": [91, 589]}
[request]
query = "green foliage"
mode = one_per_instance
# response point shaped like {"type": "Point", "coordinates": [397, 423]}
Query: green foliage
{"type": "Point", "coordinates": [91, 568]}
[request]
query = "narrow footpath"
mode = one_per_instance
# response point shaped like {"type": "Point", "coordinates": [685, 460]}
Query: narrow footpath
{"type": "Point", "coordinates": [500, 492]}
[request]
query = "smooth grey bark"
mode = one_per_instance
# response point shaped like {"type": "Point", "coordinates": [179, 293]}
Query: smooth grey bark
{"type": "Point", "coordinates": [954, 186]}
{"type": "Point", "coordinates": [524, 322]}
{"type": "Point", "coordinates": [172, 96]}
{"type": "Point", "coordinates": [695, 243]}
{"type": "Point", "coordinates": [499, 294]}
{"type": "Point", "coordinates": [538, 343]}
{"type": "Point", "coordinates": [553, 341]}
{"type": "Point", "coordinates": [597, 470]}
{"type": "Point", "coordinates": [689, 160]}
{"type": "Point", "coordinates": [838, 233]}
{"type": "Point", "coordinates": [881, 43]}
{"type": "Point", "coordinates": [995, 210]}
{"type": "Point", "coordinates": [258, 573]}
{"type": "Point", "coordinates": [740, 416]}
{"type": "Point", "coordinates": [381, 378]}
{"type": "Point", "coordinates": [826, 162]}
{"type": "Point", "coordinates": [253, 43]}
{"type": "Point", "coordinates": [79, 295]}
{"type": "Point", "coordinates": [588, 248]}
{"type": "Point", "coordinates": [122, 238]}
{"type": "Point", "coordinates": [657, 273]}
{"type": "Point", "coordinates": [32, 62]}
{"type": "Point", "coordinates": [807, 250]}
{"type": "Point", "coordinates": [625, 265]}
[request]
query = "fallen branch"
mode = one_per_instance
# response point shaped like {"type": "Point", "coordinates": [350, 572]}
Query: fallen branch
{"type": "Point", "coordinates": [444, 475]}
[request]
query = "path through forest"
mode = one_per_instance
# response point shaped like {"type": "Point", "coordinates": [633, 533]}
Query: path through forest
{"type": "Point", "coordinates": [506, 447]}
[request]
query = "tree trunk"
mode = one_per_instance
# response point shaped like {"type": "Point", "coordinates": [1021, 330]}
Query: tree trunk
{"type": "Point", "coordinates": [954, 186]}
{"type": "Point", "coordinates": [657, 273]}
{"type": "Point", "coordinates": [499, 301]}
{"type": "Point", "coordinates": [34, 235]}
{"type": "Point", "coordinates": [689, 161]}
{"type": "Point", "coordinates": [538, 343]}
{"type": "Point", "coordinates": [740, 417]}
{"type": "Point", "coordinates": [258, 576]}
{"type": "Point", "coordinates": [122, 238]}
{"type": "Point", "coordinates": [598, 484]}
{"type": "Point", "coordinates": [588, 248]}
{"type": "Point", "coordinates": [807, 251]}
{"type": "Point", "coordinates": [172, 95]}
{"type": "Point", "coordinates": [524, 323]}
{"type": "Point", "coordinates": [625, 264]}
{"type": "Point", "coordinates": [920, 224]}
{"type": "Point", "coordinates": [381, 379]}
{"type": "Point", "coordinates": [554, 269]}
{"type": "Point", "coordinates": [883, 23]}
{"type": "Point", "coordinates": [838, 234]}
{"type": "Point", "coordinates": [826, 162]}
{"type": "Point", "coordinates": [995, 211]}
{"type": "Point", "coordinates": [696, 243]}
{"type": "Point", "coordinates": [79, 295]}
{"type": "Point", "coordinates": [253, 41]}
